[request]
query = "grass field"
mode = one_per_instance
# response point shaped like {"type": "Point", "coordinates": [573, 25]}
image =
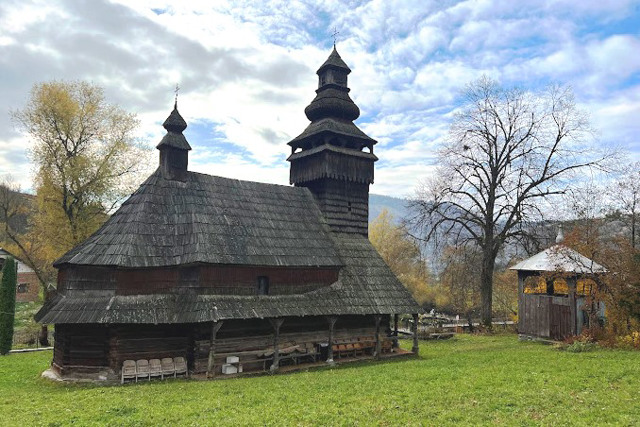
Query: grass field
{"type": "Point", "coordinates": [467, 380]}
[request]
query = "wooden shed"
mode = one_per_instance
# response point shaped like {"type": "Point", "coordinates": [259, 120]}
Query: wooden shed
{"type": "Point", "coordinates": [554, 287]}
{"type": "Point", "coordinates": [211, 268]}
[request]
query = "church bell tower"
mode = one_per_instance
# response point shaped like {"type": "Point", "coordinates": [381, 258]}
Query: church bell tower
{"type": "Point", "coordinates": [332, 157]}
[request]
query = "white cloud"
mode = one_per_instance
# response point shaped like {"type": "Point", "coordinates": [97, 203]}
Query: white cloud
{"type": "Point", "coordinates": [247, 69]}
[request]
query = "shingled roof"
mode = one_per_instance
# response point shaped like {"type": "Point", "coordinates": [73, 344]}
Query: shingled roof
{"type": "Point", "coordinates": [560, 258]}
{"type": "Point", "coordinates": [365, 285]}
{"type": "Point", "coordinates": [213, 220]}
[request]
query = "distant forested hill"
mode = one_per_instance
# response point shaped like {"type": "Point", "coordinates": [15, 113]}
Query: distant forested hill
{"type": "Point", "coordinates": [396, 206]}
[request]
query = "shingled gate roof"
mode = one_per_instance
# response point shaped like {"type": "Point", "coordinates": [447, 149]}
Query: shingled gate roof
{"type": "Point", "coordinates": [213, 220]}
{"type": "Point", "coordinates": [560, 258]}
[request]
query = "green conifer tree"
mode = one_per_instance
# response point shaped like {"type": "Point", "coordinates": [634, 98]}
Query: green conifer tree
{"type": "Point", "coordinates": [7, 304]}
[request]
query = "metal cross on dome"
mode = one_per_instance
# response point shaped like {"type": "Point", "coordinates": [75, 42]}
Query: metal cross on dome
{"type": "Point", "coordinates": [176, 90]}
{"type": "Point", "coordinates": [335, 35]}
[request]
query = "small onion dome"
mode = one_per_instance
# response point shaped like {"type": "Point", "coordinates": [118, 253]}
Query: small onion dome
{"type": "Point", "coordinates": [175, 122]}
{"type": "Point", "coordinates": [332, 102]}
{"type": "Point", "coordinates": [174, 125]}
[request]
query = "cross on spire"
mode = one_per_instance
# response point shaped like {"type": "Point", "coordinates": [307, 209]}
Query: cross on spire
{"type": "Point", "coordinates": [335, 35]}
{"type": "Point", "coordinates": [176, 90]}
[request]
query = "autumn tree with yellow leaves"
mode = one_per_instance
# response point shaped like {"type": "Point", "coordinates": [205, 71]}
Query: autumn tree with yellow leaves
{"type": "Point", "coordinates": [402, 254]}
{"type": "Point", "coordinates": [86, 160]}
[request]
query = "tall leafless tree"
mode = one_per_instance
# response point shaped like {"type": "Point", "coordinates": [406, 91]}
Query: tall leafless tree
{"type": "Point", "coordinates": [626, 192]}
{"type": "Point", "coordinates": [508, 151]}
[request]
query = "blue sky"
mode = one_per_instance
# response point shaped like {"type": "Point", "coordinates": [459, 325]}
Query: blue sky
{"type": "Point", "coordinates": [247, 70]}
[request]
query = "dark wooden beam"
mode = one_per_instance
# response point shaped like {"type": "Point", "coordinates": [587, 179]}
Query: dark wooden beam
{"type": "Point", "coordinates": [415, 349]}
{"type": "Point", "coordinates": [573, 309]}
{"type": "Point", "coordinates": [378, 319]}
{"type": "Point", "coordinates": [276, 323]}
{"type": "Point", "coordinates": [215, 327]}
{"type": "Point", "coordinates": [396, 344]}
{"type": "Point", "coordinates": [332, 323]}
{"type": "Point", "coordinates": [521, 278]}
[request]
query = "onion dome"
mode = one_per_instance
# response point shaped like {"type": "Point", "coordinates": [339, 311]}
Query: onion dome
{"type": "Point", "coordinates": [175, 125]}
{"type": "Point", "coordinates": [332, 99]}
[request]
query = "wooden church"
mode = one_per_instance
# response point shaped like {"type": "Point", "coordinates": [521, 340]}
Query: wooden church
{"type": "Point", "coordinates": [205, 267]}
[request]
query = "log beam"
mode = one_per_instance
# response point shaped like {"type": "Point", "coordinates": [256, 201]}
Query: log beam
{"type": "Point", "coordinates": [396, 344]}
{"type": "Point", "coordinates": [332, 323]}
{"type": "Point", "coordinates": [378, 319]}
{"type": "Point", "coordinates": [215, 327]}
{"type": "Point", "coordinates": [276, 323]}
{"type": "Point", "coordinates": [572, 283]}
{"type": "Point", "coordinates": [415, 349]}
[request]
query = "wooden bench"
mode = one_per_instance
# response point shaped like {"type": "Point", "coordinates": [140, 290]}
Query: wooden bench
{"type": "Point", "coordinates": [356, 346]}
{"type": "Point", "coordinates": [143, 368]}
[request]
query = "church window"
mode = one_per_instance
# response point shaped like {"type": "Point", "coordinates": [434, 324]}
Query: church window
{"type": "Point", "coordinates": [263, 285]}
{"type": "Point", "coordinates": [23, 288]}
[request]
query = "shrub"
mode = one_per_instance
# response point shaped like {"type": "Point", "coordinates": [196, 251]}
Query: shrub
{"type": "Point", "coordinates": [630, 342]}
{"type": "Point", "coordinates": [7, 304]}
{"type": "Point", "coordinates": [580, 347]}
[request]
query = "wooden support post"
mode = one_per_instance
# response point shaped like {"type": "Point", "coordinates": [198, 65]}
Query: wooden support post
{"type": "Point", "coordinates": [378, 318]}
{"type": "Point", "coordinates": [215, 327]}
{"type": "Point", "coordinates": [332, 323]}
{"type": "Point", "coordinates": [396, 344]}
{"type": "Point", "coordinates": [414, 349]}
{"type": "Point", "coordinates": [573, 309]}
{"type": "Point", "coordinates": [521, 315]}
{"type": "Point", "coordinates": [276, 323]}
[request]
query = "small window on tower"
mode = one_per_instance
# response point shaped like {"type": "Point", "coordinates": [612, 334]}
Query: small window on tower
{"type": "Point", "coordinates": [349, 207]}
{"type": "Point", "coordinates": [263, 285]}
{"type": "Point", "coordinates": [23, 288]}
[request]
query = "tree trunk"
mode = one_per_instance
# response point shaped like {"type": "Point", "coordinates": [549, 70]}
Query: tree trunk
{"type": "Point", "coordinates": [486, 287]}
{"type": "Point", "coordinates": [633, 229]}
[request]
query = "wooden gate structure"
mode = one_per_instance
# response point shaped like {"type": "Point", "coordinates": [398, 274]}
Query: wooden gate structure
{"type": "Point", "coordinates": [548, 292]}
{"type": "Point", "coordinates": [545, 316]}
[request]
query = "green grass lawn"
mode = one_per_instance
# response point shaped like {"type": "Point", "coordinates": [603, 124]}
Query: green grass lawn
{"type": "Point", "coordinates": [467, 380]}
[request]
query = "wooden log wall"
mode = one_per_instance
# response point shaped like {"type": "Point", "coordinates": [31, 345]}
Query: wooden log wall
{"type": "Point", "coordinates": [81, 346]}
{"type": "Point", "coordinates": [99, 346]}
{"type": "Point", "coordinates": [133, 342]}
{"type": "Point", "coordinates": [218, 280]}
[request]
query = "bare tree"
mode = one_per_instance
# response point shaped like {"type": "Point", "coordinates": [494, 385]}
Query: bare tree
{"type": "Point", "coordinates": [626, 192]}
{"type": "Point", "coordinates": [507, 152]}
{"type": "Point", "coordinates": [461, 287]}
